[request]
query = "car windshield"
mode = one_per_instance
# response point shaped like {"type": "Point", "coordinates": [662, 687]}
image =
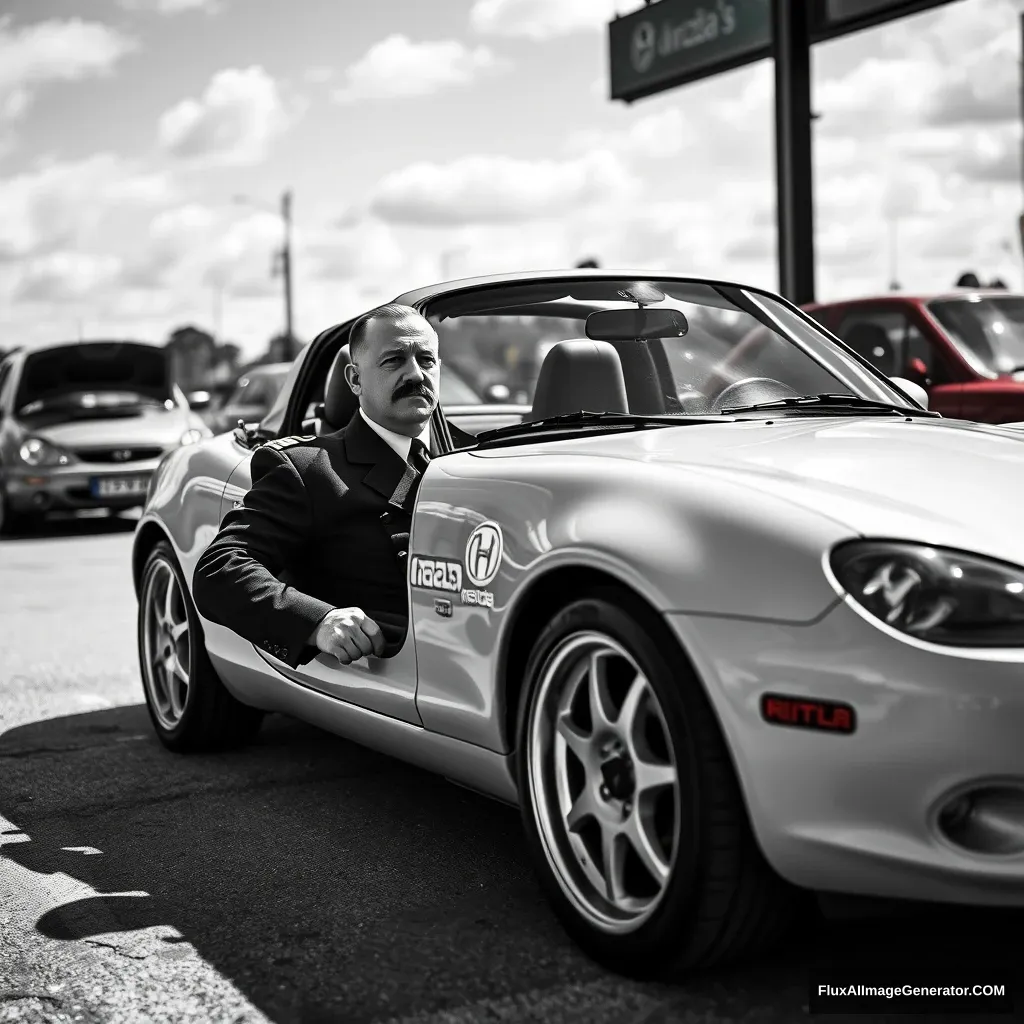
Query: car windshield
{"type": "Point", "coordinates": [94, 379]}
{"type": "Point", "coordinates": [989, 332]}
{"type": "Point", "coordinates": [739, 348]}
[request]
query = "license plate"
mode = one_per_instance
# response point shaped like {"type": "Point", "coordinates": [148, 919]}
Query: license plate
{"type": "Point", "coordinates": [119, 486]}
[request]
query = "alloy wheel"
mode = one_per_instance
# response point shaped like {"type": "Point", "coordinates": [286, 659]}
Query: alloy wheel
{"type": "Point", "coordinates": [604, 781]}
{"type": "Point", "coordinates": [166, 656]}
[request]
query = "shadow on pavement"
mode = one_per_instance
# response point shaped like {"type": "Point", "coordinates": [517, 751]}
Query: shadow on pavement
{"type": "Point", "coordinates": [327, 882]}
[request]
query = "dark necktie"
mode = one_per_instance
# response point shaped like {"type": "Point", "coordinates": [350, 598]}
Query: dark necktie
{"type": "Point", "coordinates": [419, 457]}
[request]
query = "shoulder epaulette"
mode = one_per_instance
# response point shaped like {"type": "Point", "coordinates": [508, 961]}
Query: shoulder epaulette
{"type": "Point", "coordinates": [290, 442]}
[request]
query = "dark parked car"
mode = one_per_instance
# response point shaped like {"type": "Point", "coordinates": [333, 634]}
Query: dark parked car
{"type": "Point", "coordinates": [965, 347]}
{"type": "Point", "coordinates": [252, 397]}
{"type": "Point", "coordinates": [84, 424]}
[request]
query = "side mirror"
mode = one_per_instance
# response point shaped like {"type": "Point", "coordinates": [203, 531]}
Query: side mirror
{"type": "Point", "coordinates": [199, 400]}
{"type": "Point", "coordinates": [497, 393]}
{"type": "Point", "coordinates": [914, 391]}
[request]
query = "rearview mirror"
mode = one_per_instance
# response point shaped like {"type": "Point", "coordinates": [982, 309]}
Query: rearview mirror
{"type": "Point", "coordinates": [636, 324]}
{"type": "Point", "coordinates": [914, 391]}
{"type": "Point", "coordinates": [199, 400]}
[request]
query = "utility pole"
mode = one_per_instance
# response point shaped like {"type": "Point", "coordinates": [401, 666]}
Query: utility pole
{"type": "Point", "coordinates": [793, 149]}
{"type": "Point", "coordinates": [894, 285]}
{"type": "Point", "coordinates": [218, 296]}
{"type": "Point", "coordinates": [1020, 222]}
{"type": "Point", "coordinates": [286, 272]}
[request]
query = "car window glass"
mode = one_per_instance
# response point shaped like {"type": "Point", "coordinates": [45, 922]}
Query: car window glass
{"type": "Point", "coordinates": [5, 372]}
{"type": "Point", "coordinates": [728, 347]}
{"type": "Point", "coordinates": [889, 340]}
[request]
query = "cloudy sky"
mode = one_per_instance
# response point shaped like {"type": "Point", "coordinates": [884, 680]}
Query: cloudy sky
{"type": "Point", "coordinates": [454, 137]}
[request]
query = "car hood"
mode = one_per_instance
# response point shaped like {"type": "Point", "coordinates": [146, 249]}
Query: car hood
{"type": "Point", "coordinates": [150, 426]}
{"type": "Point", "coordinates": [943, 482]}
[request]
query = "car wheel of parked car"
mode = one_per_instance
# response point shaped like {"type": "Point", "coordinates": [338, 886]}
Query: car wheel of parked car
{"type": "Point", "coordinates": [11, 522]}
{"type": "Point", "coordinates": [630, 801]}
{"type": "Point", "coordinates": [188, 704]}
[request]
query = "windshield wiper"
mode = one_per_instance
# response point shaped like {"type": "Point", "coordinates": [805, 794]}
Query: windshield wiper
{"type": "Point", "coordinates": [586, 419]}
{"type": "Point", "coordinates": [832, 402]}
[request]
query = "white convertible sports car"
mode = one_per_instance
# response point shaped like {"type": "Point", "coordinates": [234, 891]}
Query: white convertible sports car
{"type": "Point", "coordinates": [728, 614]}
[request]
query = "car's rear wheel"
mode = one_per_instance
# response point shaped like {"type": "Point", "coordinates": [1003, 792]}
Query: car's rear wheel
{"type": "Point", "coordinates": [630, 802]}
{"type": "Point", "coordinates": [189, 706]}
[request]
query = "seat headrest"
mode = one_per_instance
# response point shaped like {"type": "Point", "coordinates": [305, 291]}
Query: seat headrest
{"type": "Point", "coordinates": [871, 342]}
{"type": "Point", "coordinates": [340, 402]}
{"type": "Point", "coordinates": [579, 374]}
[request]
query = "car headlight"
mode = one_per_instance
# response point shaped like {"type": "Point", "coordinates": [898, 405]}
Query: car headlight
{"type": "Point", "coordinates": [34, 451]}
{"type": "Point", "coordinates": [935, 594]}
{"type": "Point", "coordinates": [192, 436]}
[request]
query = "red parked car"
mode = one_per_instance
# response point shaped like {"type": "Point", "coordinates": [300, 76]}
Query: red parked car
{"type": "Point", "coordinates": [965, 347]}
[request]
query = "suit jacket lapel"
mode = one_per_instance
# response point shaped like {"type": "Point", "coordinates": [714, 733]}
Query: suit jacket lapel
{"type": "Point", "coordinates": [388, 474]}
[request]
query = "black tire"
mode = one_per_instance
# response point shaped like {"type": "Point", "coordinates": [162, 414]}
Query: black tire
{"type": "Point", "coordinates": [211, 719]}
{"type": "Point", "coordinates": [12, 523]}
{"type": "Point", "coordinates": [722, 901]}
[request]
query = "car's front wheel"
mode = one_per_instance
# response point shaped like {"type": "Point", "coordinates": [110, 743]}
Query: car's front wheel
{"type": "Point", "coordinates": [11, 522]}
{"type": "Point", "coordinates": [631, 805]}
{"type": "Point", "coordinates": [189, 706]}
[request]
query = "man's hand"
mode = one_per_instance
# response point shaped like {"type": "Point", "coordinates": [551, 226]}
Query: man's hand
{"type": "Point", "coordinates": [348, 634]}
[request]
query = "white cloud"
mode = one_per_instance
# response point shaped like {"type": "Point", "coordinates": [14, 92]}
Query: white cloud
{"type": "Point", "coordinates": [174, 234]}
{"type": "Point", "coordinates": [361, 250]}
{"type": "Point", "coordinates": [540, 19]}
{"type": "Point", "coordinates": [397, 67]}
{"type": "Point", "coordinates": [497, 189]}
{"type": "Point", "coordinates": [239, 115]}
{"type": "Point", "coordinates": [62, 277]}
{"type": "Point", "coordinates": [64, 204]}
{"type": "Point", "coordinates": [52, 51]}
{"type": "Point", "coordinates": [658, 135]}
{"type": "Point", "coordinates": [173, 6]}
{"type": "Point", "coordinates": [318, 75]}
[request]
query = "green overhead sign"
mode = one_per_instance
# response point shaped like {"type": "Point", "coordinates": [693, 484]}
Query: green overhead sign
{"type": "Point", "coordinates": [678, 41]}
{"type": "Point", "coordinates": [674, 42]}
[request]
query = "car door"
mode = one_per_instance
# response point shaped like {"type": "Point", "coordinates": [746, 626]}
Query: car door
{"type": "Point", "coordinates": [907, 342]}
{"type": "Point", "coordinates": [384, 685]}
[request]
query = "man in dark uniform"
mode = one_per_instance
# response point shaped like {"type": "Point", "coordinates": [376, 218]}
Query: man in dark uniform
{"type": "Point", "coordinates": [310, 561]}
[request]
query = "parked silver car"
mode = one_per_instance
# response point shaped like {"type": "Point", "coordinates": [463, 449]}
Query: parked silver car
{"type": "Point", "coordinates": [729, 614]}
{"type": "Point", "coordinates": [83, 425]}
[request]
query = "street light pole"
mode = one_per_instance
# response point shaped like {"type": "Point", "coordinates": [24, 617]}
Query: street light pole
{"type": "Point", "coordinates": [286, 271]}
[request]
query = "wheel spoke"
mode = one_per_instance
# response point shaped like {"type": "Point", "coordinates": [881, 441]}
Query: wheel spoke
{"type": "Point", "coordinates": [647, 849]}
{"type": "Point", "coordinates": [178, 630]}
{"type": "Point", "coordinates": [653, 776]}
{"type": "Point", "coordinates": [613, 851]}
{"type": "Point", "coordinates": [583, 807]}
{"type": "Point", "coordinates": [575, 739]}
{"type": "Point", "coordinates": [632, 706]}
{"type": "Point", "coordinates": [176, 693]}
{"type": "Point", "coordinates": [169, 595]}
{"type": "Point", "coordinates": [160, 680]}
{"type": "Point", "coordinates": [597, 689]}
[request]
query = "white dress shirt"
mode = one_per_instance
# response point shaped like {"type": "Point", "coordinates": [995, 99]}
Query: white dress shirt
{"type": "Point", "coordinates": [399, 442]}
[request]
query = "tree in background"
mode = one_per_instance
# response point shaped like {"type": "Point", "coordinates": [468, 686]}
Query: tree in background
{"type": "Point", "coordinates": [588, 264]}
{"type": "Point", "coordinates": [968, 280]}
{"type": "Point", "coordinates": [198, 363]}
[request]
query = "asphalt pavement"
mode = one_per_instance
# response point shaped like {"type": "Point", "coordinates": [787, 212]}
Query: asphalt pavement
{"type": "Point", "coordinates": [304, 879]}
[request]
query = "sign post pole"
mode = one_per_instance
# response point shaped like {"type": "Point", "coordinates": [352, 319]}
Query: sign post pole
{"type": "Point", "coordinates": [794, 167]}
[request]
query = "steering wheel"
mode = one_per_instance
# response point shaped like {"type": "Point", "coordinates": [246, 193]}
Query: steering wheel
{"type": "Point", "coordinates": [750, 391]}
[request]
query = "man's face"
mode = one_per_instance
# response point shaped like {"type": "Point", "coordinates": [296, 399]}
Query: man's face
{"type": "Point", "coordinates": [396, 374]}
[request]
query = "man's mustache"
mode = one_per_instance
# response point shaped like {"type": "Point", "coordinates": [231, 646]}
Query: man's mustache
{"type": "Point", "coordinates": [411, 389]}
